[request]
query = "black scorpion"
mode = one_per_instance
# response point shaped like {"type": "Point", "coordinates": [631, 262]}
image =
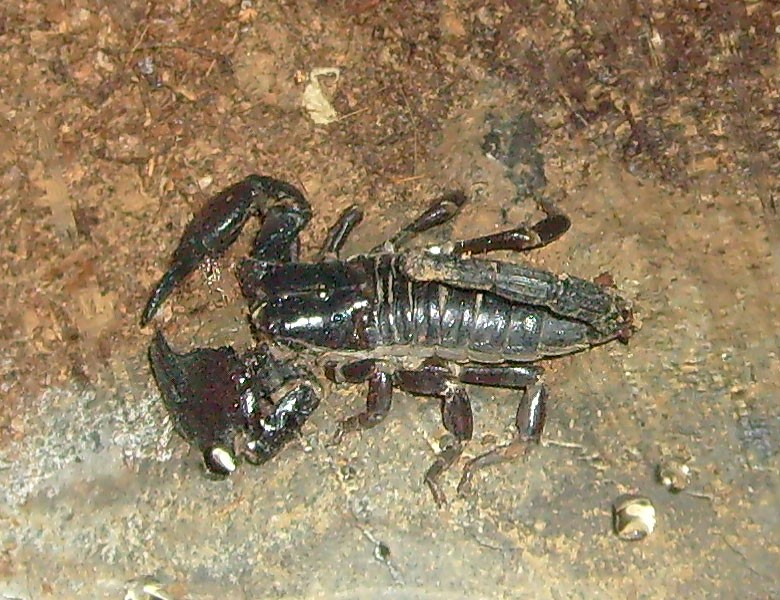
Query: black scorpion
{"type": "Point", "coordinates": [425, 321]}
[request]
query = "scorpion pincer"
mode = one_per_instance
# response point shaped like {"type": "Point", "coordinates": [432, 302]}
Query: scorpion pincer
{"type": "Point", "coordinates": [425, 321]}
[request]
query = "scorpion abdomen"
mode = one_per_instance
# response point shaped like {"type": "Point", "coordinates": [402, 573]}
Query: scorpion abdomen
{"type": "Point", "coordinates": [466, 325]}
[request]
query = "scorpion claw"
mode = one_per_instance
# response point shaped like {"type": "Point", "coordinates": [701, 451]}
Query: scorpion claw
{"type": "Point", "coordinates": [167, 283]}
{"type": "Point", "coordinates": [209, 233]}
{"type": "Point", "coordinates": [200, 390]}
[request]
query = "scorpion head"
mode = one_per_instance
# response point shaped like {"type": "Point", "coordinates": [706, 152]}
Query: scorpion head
{"type": "Point", "coordinates": [338, 318]}
{"type": "Point", "coordinates": [202, 392]}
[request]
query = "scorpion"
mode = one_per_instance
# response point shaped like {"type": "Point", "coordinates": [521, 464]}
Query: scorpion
{"type": "Point", "coordinates": [427, 321]}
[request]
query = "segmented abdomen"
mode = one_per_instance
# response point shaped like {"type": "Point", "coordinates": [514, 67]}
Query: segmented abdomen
{"type": "Point", "coordinates": [466, 324]}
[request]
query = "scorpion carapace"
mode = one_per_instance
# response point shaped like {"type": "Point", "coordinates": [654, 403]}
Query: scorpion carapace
{"type": "Point", "coordinates": [425, 321]}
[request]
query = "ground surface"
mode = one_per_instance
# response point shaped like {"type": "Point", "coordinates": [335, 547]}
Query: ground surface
{"type": "Point", "coordinates": [655, 127]}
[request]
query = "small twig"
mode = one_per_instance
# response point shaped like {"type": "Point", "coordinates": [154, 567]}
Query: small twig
{"type": "Point", "coordinates": [229, 507]}
{"type": "Point", "coordinates": [595, 459]}
{"type": "Point", "coordinates": [569, 104]}
{"type": "Point", "coordinates": [136, 45]}
{"type": "Point", "coordinates": [352, 114]}
{"type": "Point", "coordinates": [139, 40]}
{"type": "Point", "coordinates": [381, 550]}
{"type": "Point", "coordinates": [546, 442]}
{"type": "Point", "coordinates": [414, 128]}
{"type": "Point", "coordinates": [210, 69]}
{"type": "Point", "coordinates": [409, 178]}
{"type": "Point", "coordinates": [489, 546]}
{"type": "Point", "coordinates": [741, 554]}
{"type": "Point", "coordinates": [702, 495]}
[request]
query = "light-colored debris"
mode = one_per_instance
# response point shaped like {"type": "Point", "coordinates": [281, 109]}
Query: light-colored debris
{"type": "Point", "coordinates": [314, 100]}
{"type": "Point", "coordinates": [633, 517]}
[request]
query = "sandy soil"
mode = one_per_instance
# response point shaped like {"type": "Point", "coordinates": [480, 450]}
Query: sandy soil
{"type": "Point", "coordinates": [654, 126]}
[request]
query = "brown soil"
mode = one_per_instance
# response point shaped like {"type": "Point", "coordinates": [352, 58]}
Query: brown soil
{"type": "Point", "coordinates": [654, 126]}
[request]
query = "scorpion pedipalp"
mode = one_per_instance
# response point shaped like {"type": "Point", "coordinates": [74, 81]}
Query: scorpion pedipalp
{"type": "Point", "coordinates": [202, 390]}
{"type": "Point", "coordinates": [217, 226]}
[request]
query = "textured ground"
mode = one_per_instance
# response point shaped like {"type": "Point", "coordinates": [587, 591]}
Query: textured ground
{"type": "Point", "coordinates": [654, 126]}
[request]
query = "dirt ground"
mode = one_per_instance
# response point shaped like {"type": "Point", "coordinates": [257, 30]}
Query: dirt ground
{"type": "Point", "coordinates": [655, 126]}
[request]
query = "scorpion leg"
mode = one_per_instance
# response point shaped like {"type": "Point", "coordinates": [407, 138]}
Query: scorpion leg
{"type": "Point", "coordinates": [524, 237]}
{"type": "Point", "coordinates": [529, 422]}
{"type": "Point", "coordinates": [435, 379]}
{"type": "Point", "coordinates": [440, 211]}
{"type": "Point", "coordinates": [339, 233]}
{"type": "Point", "coordinates": [505, 376]}
{"type": "Point", "coordinates": [219, 223]}
{"type": "Point", "coordinates": [378, 400]}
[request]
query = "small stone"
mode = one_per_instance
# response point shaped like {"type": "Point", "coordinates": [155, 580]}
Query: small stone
{"type": "Point", "coordinates": [673, 474]}
{"type": "Point", "coordinates": [633, 517]}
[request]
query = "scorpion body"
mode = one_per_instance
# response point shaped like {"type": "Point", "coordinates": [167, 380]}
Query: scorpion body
{"type": "Point", "coordinates": [369, 306]}
{"type": "Point", "coordinates": [425, 321]}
